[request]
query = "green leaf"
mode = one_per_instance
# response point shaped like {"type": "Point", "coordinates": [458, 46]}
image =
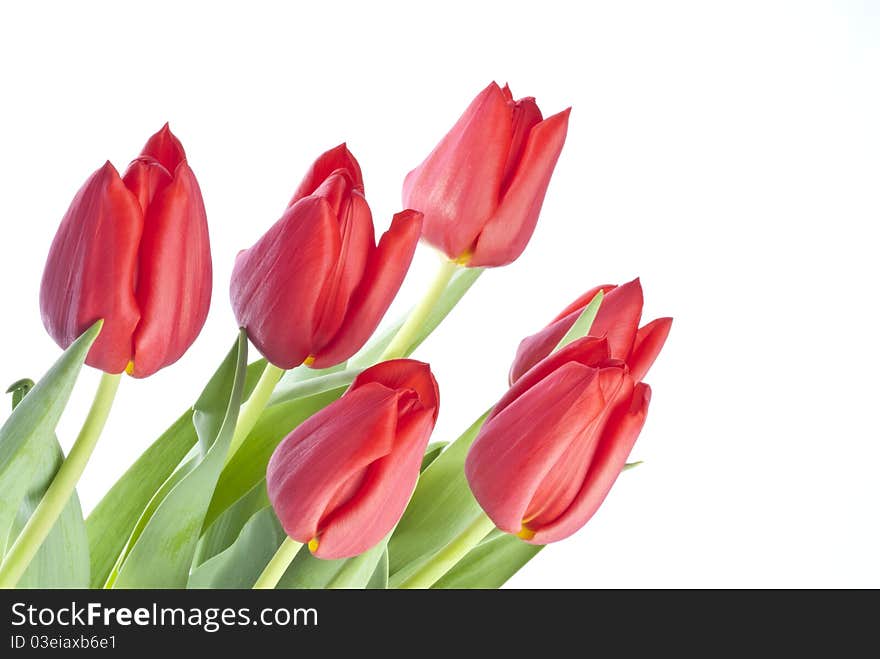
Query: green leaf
{"type": "Point", "coordinates": [379, 580]}
{"type": "Point", "coordinates": [227, 527]}
{"type": "Point", "coordinates": [111, 523]}
{"type": "Point", "coordinates": [29, 432]}
{"type": "Point", "coordinates": [584, 322]}
{"type": "Point", "coordinates": [163, 554]}
{"type": "Point", "coordinates": [441, 507]}
{"type": "Point", "coordinates": [460, 284]}
{"type": "Point", "coordinates": [19, 389]}
{"type": "Point", "coordinates": [490, 564]}
{"type": "Point", "coordinates": [247, 467]}
{"type": "Point", "coordinates": [432, 453]}
{"type": "Point", "coordinates": [306, 571]}
{"type": "Point", "coordinates": [242, 562]}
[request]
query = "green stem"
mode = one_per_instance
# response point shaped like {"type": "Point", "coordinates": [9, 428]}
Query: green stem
{"type": "Point", "coordinates": [403, 340]}
{"type": "Point", "coordinates": [253, 407]}
{"type": "Point", "coordinates": [445, 559]}
{"type": "Point", "coordinates": [40, 524]}
{"type": "Point", "coordinates": [276, 568]}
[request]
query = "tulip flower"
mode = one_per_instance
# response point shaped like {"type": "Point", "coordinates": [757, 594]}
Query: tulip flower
{"type": "Point", "coordinates": [554, 444]}
{"type": "Point", "coordinates": [618, 319]}
{"type": "Point", "coordinates": [341, 480]}
{"type": "Point", "coordinates": [482, 187]}
{"type": "Point", "coordinates": [133, 251]}
{"type": "Point", "coordinates": [315, 286]}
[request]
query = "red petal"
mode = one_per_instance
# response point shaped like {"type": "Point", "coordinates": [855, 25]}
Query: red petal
{"type": "Point", "coordinates": [615, 445]}
{"type": "Point", "coordinates": [91, 268]}
{"type": "Point", "coordinates": [458, 185]}
{"type": "Point", "coordinates": [649, 341]}
{"type": "Point", "coordinates": [588, 351]}
{"type": "Point", "coordinates": [165, 148]}
{"type": "Point", "coordinates": [338, 157]}
{"type": "Point", "coordinates": [564, 480]}
{"type": "Point", "coordinates": [401, 374]}
{"type": "Point", "coordinates": [534, 348]}
{"type": "Point", "coordinates": [618, 318]}
{"type": "Point", "coordinates": [375, 509]}
{"type": "Point", "coordinates": [175, 275]}
{"type": "Point", "coordinates": [507, 232]}
{"type": "Point", "coordinates": [276, 283]}
{"type": "Point", "coordinates": [382, 278]}
{"type": "Point", "coordinates": [357, 244]}
{"type": "Point", "coordinates": [526, 115]}
{"type": "Point", "coordinates": [325, 453]}
{"type": "Point", "coordinates": [516, 448]}
{"type": "Point", "coordinates": [145, 177]}
{"type": "Point", "coordinates": [579, 304]}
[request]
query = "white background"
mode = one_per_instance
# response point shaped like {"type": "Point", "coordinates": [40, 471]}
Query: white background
{"type": "Point", "coordinates": [728, 153]}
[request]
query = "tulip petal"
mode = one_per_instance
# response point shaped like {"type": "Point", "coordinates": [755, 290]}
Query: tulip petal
{"type": "Point", "coordinates": [457, 186]}
{"type": "Point", "coordinates": [507, 232]}
{"type": "Point", "coordinates": [404, 374]}
{"type": "Point", "coordinates": [517, 447]}
{"type": "Point", "coordinates": [582, 301]}
{"type": "Point", "coordinates": [174, 276]}
{"type": "Point", "coordinates": [387, 486]}
{"type": "Point", "coordinates": [534, 348]}
{"type": "Point", "coordinates": [526, 115]}
{"type": "Point", "coordinates": [382, 278]}
{"type": "Point", "coordinates": [165, 148]}
{"type": "Point", "coordinates": [91, 269]}
{"type": "Point", "coordinates": [565, 479]}
{"type": "Point", "coordinates": [588, 351]}
{"type": "Point", "coordinates": [618, 318]}
{"type": "Point", "coordinates": [357, 244]}
{"type": "Point", "coordinates": [325, 453]}
{"type": "Point", "coordinates": [338, 157]}
{"type": "Point", "coordinates": [648, 343]}
{"type": "Point", "coordinates": [145, 177]}
{"type": "Point", "coordinates": [276, 283]}
{"type": "Point", "coordinates": [618, 438]}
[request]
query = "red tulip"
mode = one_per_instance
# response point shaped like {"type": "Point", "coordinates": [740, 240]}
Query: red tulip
{"type": "Point", "coordinates": [342, 479]}
{"type": "Point", "coordinates": [618, 319]}
{"type": "Point", "coordinates": [316, 285]}
{"type": "Point", "coordinates": [482, 187]}
{"type": "Point", "coordinates": [553, 446]}
{"type": "Point", "coordinates": [135, 252]}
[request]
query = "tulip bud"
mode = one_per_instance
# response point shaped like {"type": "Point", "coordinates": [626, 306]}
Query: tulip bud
{"type": "Point", "coordinates": [618, 319]}
{"type": "Point", "coordinates": [132, 250]}
{"type": "Point", "coordinates": [315, 286]}
{"type": "Point", "coordinates": [482, 187]}
{"type": "Point", "coordinates": [341, 480]}
{"type": "Point", "coordinates": [553, 446]}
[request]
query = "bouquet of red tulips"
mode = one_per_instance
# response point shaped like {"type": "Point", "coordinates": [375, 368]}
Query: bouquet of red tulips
{"type": "Point", "coordinates": [313, 466]}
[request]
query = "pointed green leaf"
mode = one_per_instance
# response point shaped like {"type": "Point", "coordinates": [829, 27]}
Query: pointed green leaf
{"type": "Point", "coordinates": [111, 523]}
{"type": "Point", "coordinates": [306, 571]}
{"type": "Point", "coordinates": [490, 564]}
{"type": "Point", "coordinates": [584, 322]}
{"type": "Point", "coordinates": [379, 580]}
{"type": "Point", "coordinates": [229, 524]}
{"type": "Point", "coordinates": [431, 453]}
{"type": "Point", "coordinates": [29, 431]}
{"type": "Point", "coordinates": [163, 554]}
{"type": "Point", "coordinates": [19, 389]}
{"type": "Point", "coordinates": [441, 507]}
{"type": "Point", "coordinates": [242, 562]}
